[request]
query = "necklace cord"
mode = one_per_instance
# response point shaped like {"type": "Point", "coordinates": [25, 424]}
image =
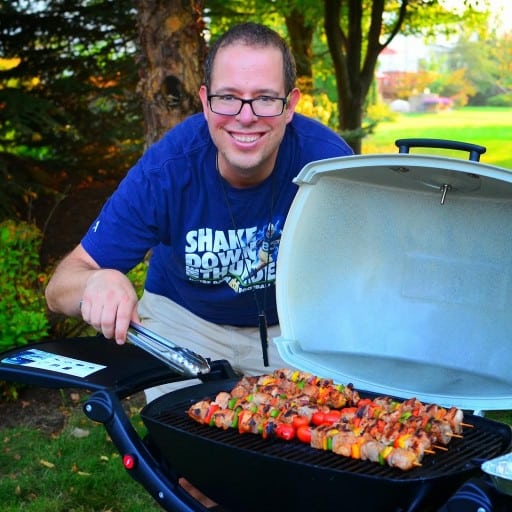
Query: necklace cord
{"type": "Point", "coordinates": [262, 317]}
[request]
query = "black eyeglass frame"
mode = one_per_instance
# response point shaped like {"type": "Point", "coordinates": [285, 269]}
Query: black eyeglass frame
{"type": "Point", "coordinates": [249, 102]}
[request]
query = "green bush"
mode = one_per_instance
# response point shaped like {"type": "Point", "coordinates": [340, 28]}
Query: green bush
{"type": "Point", "coordinates": [500, 100]}
{"type": "Point", "coordinates": [22, 304]}
{"type": "Point", "coordinates": [137, 276]}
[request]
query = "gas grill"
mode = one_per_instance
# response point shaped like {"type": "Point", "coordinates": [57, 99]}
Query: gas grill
{"type": "Point", "coordinates": [395, 275]}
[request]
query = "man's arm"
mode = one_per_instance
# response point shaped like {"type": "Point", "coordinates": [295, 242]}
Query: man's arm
{"type": "Point", "coordinates": [104, 298]}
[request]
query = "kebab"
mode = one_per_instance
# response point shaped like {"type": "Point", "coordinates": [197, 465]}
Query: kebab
{"type": "Point", "coordinates": [348, 444]}
{"type": "Point", "coordinates": [343, 437]}
{"type": "Point", "coordinates": [444, 422]}
{"type": "Point", "coordinates": [286, 383]}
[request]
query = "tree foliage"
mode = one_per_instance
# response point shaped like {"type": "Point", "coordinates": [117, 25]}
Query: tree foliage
{"type": "Point", "coordinates": [68, 107]}
{"type": "Point", "coordinates": [358, 31]}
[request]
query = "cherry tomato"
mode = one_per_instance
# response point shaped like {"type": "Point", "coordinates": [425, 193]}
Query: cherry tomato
{"type": "Point", "coordinates": [318, 418]}
{"type": "Point", "coordinates": [285, 431]}
{"type": "Point", "coordinates": [304, 434]}
{"type": "Point", "coordinates": [348, 412]}
{"type": "Point", "coordinates": [299, 421]}
{"type": "Point", "coordinates": [332, 417]}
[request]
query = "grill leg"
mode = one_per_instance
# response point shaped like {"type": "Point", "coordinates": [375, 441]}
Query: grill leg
{"type": "Point", "coordinates": [105, 407]}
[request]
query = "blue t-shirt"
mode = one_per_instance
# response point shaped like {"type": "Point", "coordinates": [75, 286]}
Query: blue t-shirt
{"type": "Point", "coordinates": [213, 247]}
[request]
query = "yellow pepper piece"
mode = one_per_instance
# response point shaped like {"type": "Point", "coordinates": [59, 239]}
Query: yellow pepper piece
{"type": "Point", "coordinates": [386, 451]}
{"type": "Point", "coordinates": [356, 450]}
{"type": "Point", "coordinates": [402, 440]}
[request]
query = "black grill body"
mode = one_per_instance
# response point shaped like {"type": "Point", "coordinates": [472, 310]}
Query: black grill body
{"type": "Point", "coordinates": [246, 472]}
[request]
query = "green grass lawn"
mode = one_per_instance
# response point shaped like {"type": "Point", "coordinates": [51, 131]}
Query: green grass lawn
{"type": "Point", "coordinates": [67, 472]}
{"type": "Point", "coordinates": [490, 127]}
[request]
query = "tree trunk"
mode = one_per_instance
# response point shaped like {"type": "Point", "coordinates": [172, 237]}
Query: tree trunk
{"type": "Point", "coordinates": [172, 52]}
{"type": "Point", "coordinates": [355, 70]}
{"type": "Point", "coordinates": [301, 41]}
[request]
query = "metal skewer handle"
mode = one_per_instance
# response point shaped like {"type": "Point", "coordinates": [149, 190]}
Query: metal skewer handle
{"type": "Point", "coordinates": [181, 359]}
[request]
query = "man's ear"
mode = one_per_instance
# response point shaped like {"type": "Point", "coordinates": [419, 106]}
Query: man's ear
{"type": "Point", "coordinates": [203, 93]}
{"type": "Point", "coordinates": [293, 99]}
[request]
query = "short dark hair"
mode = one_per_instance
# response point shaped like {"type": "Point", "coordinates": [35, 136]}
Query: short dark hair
{"type": "Point", "coordinates": [253, 34]}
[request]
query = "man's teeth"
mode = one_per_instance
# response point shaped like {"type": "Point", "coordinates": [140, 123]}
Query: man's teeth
{"type": "Point", "coordinates": [245, 138]}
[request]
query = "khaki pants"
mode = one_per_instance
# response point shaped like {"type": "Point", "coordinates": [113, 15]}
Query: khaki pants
{"type": "Point", "coordinates": [241, 346]}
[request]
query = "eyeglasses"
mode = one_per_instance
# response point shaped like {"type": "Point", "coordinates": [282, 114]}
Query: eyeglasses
{"type": "Point", "coordinates": [262, 106]}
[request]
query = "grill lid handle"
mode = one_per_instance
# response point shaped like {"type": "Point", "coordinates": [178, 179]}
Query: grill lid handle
{"type": "Point", "coordinates": [475, 150]}
{"type": "Point", "coordinates": [181, 359]}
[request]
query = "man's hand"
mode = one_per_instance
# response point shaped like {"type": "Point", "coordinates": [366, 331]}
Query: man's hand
{"type": "Point", "coordinates": [109, 303]}
{"type": "Point", "coordinates": [104, 298]}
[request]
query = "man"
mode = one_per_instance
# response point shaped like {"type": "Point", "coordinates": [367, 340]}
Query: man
{"type": "Point", "coordinates": [209, 201]}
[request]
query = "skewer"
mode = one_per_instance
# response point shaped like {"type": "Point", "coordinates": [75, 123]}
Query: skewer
{"type": "Point", "coordinates": [437, 447]}
{"type": "Point", "coordinates": [431, 452]}
{"type": "Point", "coordinates": [417, 464]}
{"type": "Point", "coordinates": [455, 435]}
{"type": "Point", "coordinates": [468, 425]}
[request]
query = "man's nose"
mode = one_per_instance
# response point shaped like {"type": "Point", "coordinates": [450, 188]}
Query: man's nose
{"type": "Point", "coordinates": [246, 114]}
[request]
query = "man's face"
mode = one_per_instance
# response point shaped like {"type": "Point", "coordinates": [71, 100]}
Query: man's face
{"type": "Point", "coordinates": [247, 144]}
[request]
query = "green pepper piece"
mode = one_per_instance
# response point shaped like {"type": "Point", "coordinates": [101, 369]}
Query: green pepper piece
{"type": "Point", "coordinates": [234, 423]}
{"type": "Point", "coordinates": [405, 416]}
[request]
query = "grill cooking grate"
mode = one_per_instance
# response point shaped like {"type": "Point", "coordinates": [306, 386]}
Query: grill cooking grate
{"type": "Point", "coordinates": [478, 444]}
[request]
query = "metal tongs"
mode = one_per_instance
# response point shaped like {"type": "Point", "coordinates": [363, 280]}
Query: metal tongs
{"type": "Point", "coordinates": [181, 359]}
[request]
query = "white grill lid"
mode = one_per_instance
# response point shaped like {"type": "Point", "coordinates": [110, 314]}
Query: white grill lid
{"type": "Point", "coordinates": [394, 273]}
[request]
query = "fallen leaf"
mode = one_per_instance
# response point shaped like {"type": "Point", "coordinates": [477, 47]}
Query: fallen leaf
{"type": "Point", "coordinates": [83, 473]}
{"type": "Point", "coordinates": [75, 397]}
{"type": "Point", "coordinates": [80, 432]}
{"type": "Point", "coordinates": [46, 464]}
{"type": "Point", "coordinates": [104, 458]}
